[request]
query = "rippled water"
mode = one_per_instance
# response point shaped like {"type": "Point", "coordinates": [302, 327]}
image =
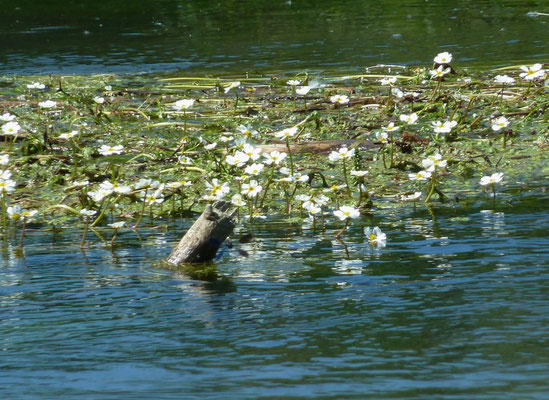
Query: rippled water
{"type": "Point", "coordinates": [199, 36]}
{"type": "Point", "coordinates": [455, 307]}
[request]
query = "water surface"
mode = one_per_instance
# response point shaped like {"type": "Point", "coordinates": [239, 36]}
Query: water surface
{"type": "Point", "coordinates": [256, 35]}
{"type": "Point", "coordinates": [454, 307]}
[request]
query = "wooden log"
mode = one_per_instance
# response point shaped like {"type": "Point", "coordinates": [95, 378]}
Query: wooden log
{"type": "Point", "coordinates": [205, 236]}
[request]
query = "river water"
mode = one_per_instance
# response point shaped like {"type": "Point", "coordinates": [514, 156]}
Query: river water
{"type": "Point", "coordinates": [454, 307]}
{"type": "Point", "coordinates": [257, 35]}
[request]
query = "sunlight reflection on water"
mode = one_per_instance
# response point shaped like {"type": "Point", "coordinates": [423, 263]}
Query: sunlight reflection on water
{"type": "Point", "coordinates": [454, 302]}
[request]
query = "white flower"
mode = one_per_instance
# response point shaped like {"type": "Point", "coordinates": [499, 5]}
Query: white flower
{"type": "Point", "coordinates": [504, 79]}
{"type": "Point", "coordinates": [431, 162]}
{"type": "Point", "coordinates": [150, 197]}
{"type": "Point", "coordinates": [299, 177]}
{"type": "Point", "coordinates": [178, 184]}
{"type": "Point", "coordinates": [439, 72]}
{"type": "Point", "coordinates": [80, 183]}
{"type": "Point", "coordinates": [274, 157]}
{"type": "Point", "coordinates": [252, 152]}
{"type": "Point", "coordinates": [14, 212]}
{"type": "Point", "coordinates": [303, 90]}
{"type": "Point", "coordinates": [183, 104]}
{"type": "Point", "coordinates": [68, 135]}
{"type": "Point", "coordinates": [533, 72]}
{"type": "Point", "coordinates": [4, 159]}
{"type": "Point", "coordinates": [98, 195]}
{"type": "Point", "coordinates": [115, 187]}
{"type": "Point", "coordinates": [238, 159]}
{"type": "Point", "coordinates": [217, 190]}
{"type": "Point", "coordinates": [411, 197]}
{"type": "Point", "coordinates": [117, 225]}
{"type": "Point", "coordinates": [346, 212]}
{"type": "Point", "coordinates": [7, 185]}
{"type": "Point", "coordinates": [210, 146]}
{"type": "Point", "coordinates": [313, 209]}
{"type": "Point", "coordinates": [388, 81]}
{"type": "Point", "coordinates": [286, 133]}
{"type": "Point", "coordinates": [359, 174]}
{"type": "Point", "coordinates": [254, 169]}
{"type": "Point", "coordinates": [342, 154]}
{"type": "Point", "coordinates": [232, 85]}
{"type": "Point", "coordinates": [5, 174]}
{"type": "Point", "coordinates": [246, 130]}
{"type": "Point", "coordinates": [376, 237]}
{"type": "Point", "coordinates": [238, 200]}
{"type": "Point", "coordinates": [47, 104]}
{"type": "Point", "coordinates": [145, 183]}
{"type": "Point", "coordinates": [87, 213]}
{"type": "Point", "coordinates": [409, 119]}
{"type": "Point", "coordinates": [36, 85]}
{"type": "Point", "coordinates": [399, 94]}
{"type": "Point", "coordinates": [296, 177]}
{"type": "Point", "coordinates": [293, 82]}
{"type": "Point", "coordinates": [420, 176]}
{"type": "Point", "coordinates": [184, 160]}
{"type": "Point", "coordinates": [11, 128]}
{"type": "Point", "coordinates": [107, 150]}
{"type": "Point", "coordinates": [382, 136]}
{"type": "Point", "coordinates": [98, 100]}
{"type": "Point", "coordinates": [492, 179]}
{"type": "Point", "coordinates": [28, 214]}
{"type": "Point", "coordinates": [499, 123]}
{"type": "Point", "coordinates": [339, 99]}
{"type": "Point", "coordinates": [251, 189]}
{"type": "Point", "coordinates": [7, 117]}
{"type": "Point", "coordinates": [310, 202]}
{"type": "Point", "coordinates": [334, 188]}
{"type": "Point", "coordinates": [391, 127]}
{"type": "Point", "coordinates": [443, 127]}
{"type": "Point", "coordinates": [443, 58]}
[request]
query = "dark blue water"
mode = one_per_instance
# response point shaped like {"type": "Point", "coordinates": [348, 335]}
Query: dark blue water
{"type": "Point", "coordinates": [222, 37]}
{"type": "Point", "coordinates": [455, 307]}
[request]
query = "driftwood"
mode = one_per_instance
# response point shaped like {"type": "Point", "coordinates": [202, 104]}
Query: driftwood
{"type": "Point", "coordinates": [205, 236]}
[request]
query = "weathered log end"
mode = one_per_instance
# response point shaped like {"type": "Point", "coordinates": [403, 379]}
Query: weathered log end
{"type": "Point", "coordinates": [205, 236]}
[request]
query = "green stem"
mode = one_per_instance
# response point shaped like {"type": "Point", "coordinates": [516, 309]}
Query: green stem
{"type": "Point", "coordinates": [432, 188]}
{"type": "Point", "coordinates": [103, 210]}
{"type": "Point", "coordinates": [83, 241]}
{"type": "Point", "coordinates": [391, 150]}
{"type": "Point", "coordinates": [4, 216]}
{"type": "Point", "coordinates": [290, 155]}
{"type": "Point", "coordinates": [23, 226]}
{"type": "Point", "coordinates": [346, 179]}
{"type": "Point", "coordinates": [113, 238]}
{"type": "Point", "coordinates": [338, 235]}
{"type": "Point", "coordinates": [269, 182]}
{"type": "Point", "coordinates": [436, 90]}
{"type": "Point", "coordinates": [142, 210]}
